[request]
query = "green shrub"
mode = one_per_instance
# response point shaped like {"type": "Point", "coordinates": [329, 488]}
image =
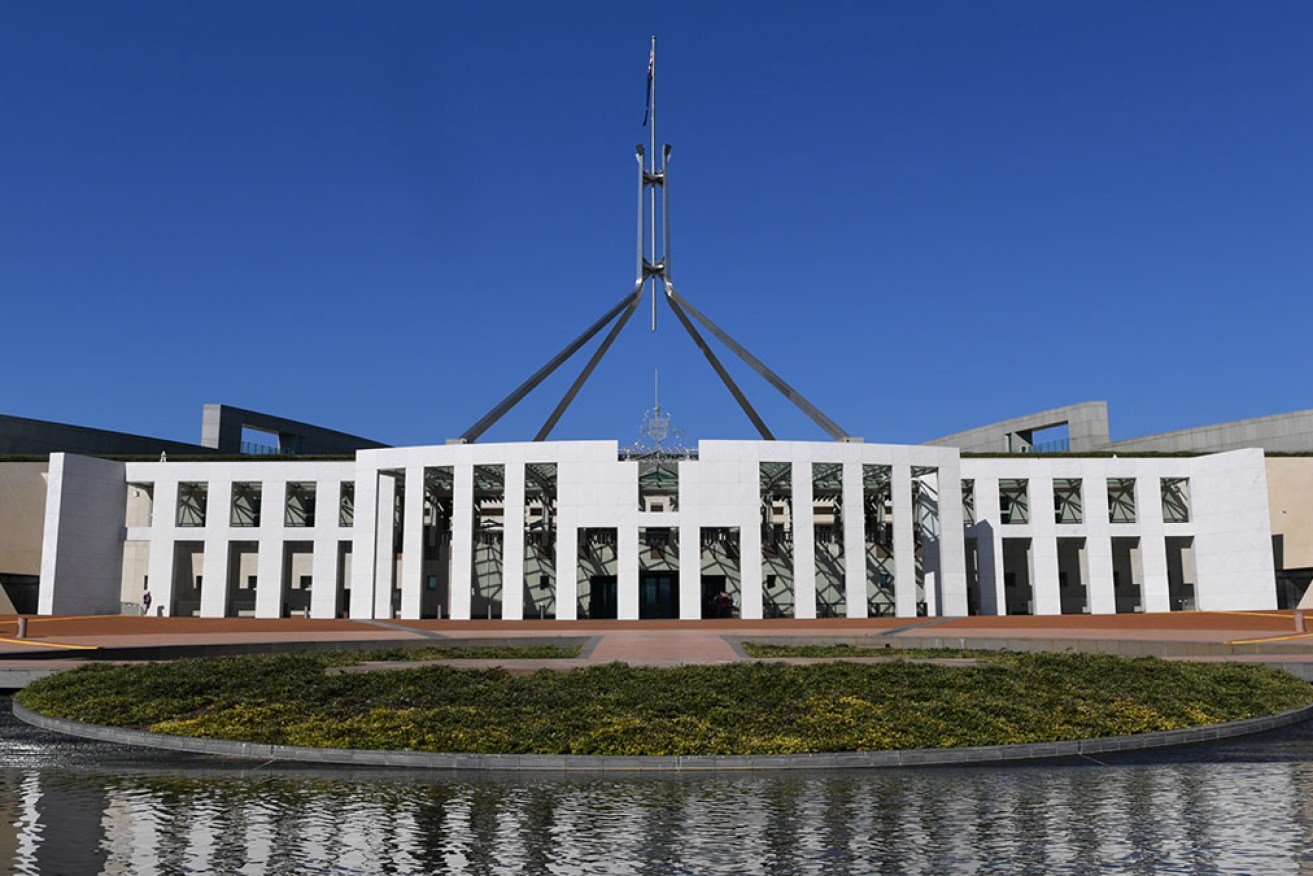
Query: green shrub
{"type": "Point", "coordinates": [737, 708]}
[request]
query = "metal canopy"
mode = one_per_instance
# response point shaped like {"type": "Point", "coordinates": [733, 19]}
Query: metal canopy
{"type": "Point", "coordinates": [654, 270]}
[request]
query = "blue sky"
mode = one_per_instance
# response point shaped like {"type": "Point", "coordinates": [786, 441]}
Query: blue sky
{"type": "Point", "coordinates": [925, 216]}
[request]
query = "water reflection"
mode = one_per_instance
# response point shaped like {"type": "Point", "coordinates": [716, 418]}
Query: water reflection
{"type": "Point", "coordinates": [72, 807]}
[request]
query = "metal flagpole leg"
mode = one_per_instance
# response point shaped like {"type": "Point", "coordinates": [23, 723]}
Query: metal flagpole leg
{"type": "Point", "coordinates": [637, 296]}
{"type": "Point", "coordinates": [831, 427]}
{"type": "Point", "coordinates": [473, 433]}
{"type": "Point", "coordinates": [715, 364]}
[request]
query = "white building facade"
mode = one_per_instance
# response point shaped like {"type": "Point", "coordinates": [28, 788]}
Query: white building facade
{"type": "Point", "coordinates": [574, 530]}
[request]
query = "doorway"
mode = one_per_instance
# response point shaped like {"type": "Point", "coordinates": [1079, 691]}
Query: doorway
{"type": "Point", "coordinates": [602, 601]}
{"type": "Point", "coordinates": [658, 596]}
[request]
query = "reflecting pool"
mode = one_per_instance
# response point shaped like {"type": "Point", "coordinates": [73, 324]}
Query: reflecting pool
{"type": "Point", "coordinates": [71, 807]}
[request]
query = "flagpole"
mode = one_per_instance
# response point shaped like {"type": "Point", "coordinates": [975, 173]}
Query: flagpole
{"type": "Point", "coordinates": [652, 131]}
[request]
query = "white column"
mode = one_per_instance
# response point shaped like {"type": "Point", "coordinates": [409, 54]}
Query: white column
{"type": "Point", "coordinates": [750, 567]}
{"type": "Point", "coordinates": [854, 541]}
{"type": "Point", "coordinates": [412, 543]}
{"type": "Point", "coordinates": [804, 542]}
{"type": "Point", "coordinates": [385, 558]}
{"type": "Point", "coordinates": [1153, 545]}
{"type": "Point", "coordinates": [269, 592]}
{"type": "Point", "coordinates": [1098, 545]}
{"type": "Point", "coordinates": [1153, 557]}
{"type": "Point", "coordinates": [214, 577]}
{"type": "Point", "coordinates": [323, 587]}
{"type": "Point", "coordinates": [462, 540]}
{"type": "Point", "coordinates": [214, 565]}
{"type": "Point", "coordinates": [904, 543]}
{"type": "Point", "coordinates": [512, 568]}
{"type": "Point", "coordinates": [364, 536]}
{"type": "Point", "coordinates": [627, 566]}
{"type": "Point", "coordinates": [269, 576]}
{"type": "Point", "coordinates": [1044, 547]}
{"type": "Point", "coordinates": [567, 569]}
{"type": "Point", "coordinates": [163, 536]}
{"type": "Point", "coordinates": [690, 571]}
{"type": "Point", "coordinates": [952, 555]}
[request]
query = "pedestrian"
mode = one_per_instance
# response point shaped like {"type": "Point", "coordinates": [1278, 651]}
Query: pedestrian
{"type": "Point", "coordinates": [145, 603]}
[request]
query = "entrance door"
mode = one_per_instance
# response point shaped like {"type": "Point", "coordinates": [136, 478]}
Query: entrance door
{"type": "Point", "coordinates": [602, 601]}
{"type": "Point", "coordinates": [658, 596]}
{"type": "Point", "coordinates": [712, 587]}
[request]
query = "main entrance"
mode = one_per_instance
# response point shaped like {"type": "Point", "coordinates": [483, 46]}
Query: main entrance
{"type": "Point", "coordinates": [658, 596]}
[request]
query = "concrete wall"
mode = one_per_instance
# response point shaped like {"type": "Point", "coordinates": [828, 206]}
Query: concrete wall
{"type": "Point", "coordinates": [1087, 425]}
{"type": "Point", "coordinates": [82, 544]}
{"type": "Point", "coordinates": [1087, 429]}
{"type": "Point", "coordinates": [1279, 433]}
{"type": "Point", "coordinates": [1232, 552]}
{"type": "Point", "coordinates": [221, 429]}
{"type": "Point", "coordinates": [22, 516]}
{"type": "Point", "coordinates": [20, 436]}
{"type": "Point", "coordinates": [1290, 503]}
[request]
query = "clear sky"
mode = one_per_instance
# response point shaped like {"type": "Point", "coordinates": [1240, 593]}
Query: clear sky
{"type": "Point", "coordinates": [381, 217]}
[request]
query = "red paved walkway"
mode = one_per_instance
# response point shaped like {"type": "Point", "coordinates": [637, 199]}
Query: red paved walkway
{"type": "Point", "coordinates": [650, 642]}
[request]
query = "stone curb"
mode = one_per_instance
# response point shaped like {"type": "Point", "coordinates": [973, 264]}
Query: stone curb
{"type": "Point", "coordinates": [987, 754]}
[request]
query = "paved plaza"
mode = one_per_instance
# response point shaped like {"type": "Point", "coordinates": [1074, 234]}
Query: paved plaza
{"type": "Point", "coordinates": [1260, 635]}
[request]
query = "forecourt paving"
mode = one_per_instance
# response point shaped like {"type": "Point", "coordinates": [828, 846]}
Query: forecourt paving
{"type": "Point", "coordinates": [56, 643]}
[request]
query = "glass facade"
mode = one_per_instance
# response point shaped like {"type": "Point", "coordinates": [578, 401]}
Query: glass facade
{"type": "Point", "coordinates": [193, 498]}
{"type": "Point", "coordinates": [1176, 500]}
{"type": "Point", "coordinates": [300, 504]}
{"type": "Point", "coordinates": [540, 540]}
{"type": "Point", "coordinates": [1014, 500]}
{"type": "Point", "coordinates": [776, 481]}
{"type": "Point", "coordinates": [827, 528]}
{"type": "Point", "coordinates": [1067, 505]}
{"type": "Point", "coordinates": [489, 541]}
{"type": "Point", "coordinates": [878, 520]}
{"type": "Point", "coordinates": [1121, 500]}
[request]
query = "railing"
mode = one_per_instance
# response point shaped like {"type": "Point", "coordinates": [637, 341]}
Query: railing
{"type": "Point", "coordinates": [252, 449]}
{"type": "Point", "coordinates": [1058, 445]}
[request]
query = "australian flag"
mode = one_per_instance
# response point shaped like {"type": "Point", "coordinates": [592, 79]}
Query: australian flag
{"type": "Point", "coordinates": [651, 63]}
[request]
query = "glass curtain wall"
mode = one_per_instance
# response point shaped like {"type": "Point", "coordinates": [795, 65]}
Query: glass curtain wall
{"type": "Point", "coordinates": [827, 528]}
{"type": "Point", "coordinates": [1176, 500]}
{"type": "Point", "coordinates": [489, 541]}
{"type": "Point", "coordinates": [439, 506]}
{"type": "Point", "coordinates": [245, 505]}
{"type": "Point", "coordinates": [540, 540]}
{"type": "Point", "coordinates": [299, 509]}
{"type": "Point", "coordinates": [878, 511]}
{"type": "Point", "coordinates": [1067, 505]}
{"type": "Point", "coordinates": [658, 484]}
{"type": "Point", "coordinates": [925, 533]}
{"type": "Point", "coordinates": [192, 503]}
{"type": "Point", "coordinates": [658, 573]}
{"type": "Point", "coordinates": [596, 574]}
{"type": "Point", "coordinates": [777, 539]}
{"type": "Point", "coordinates": [721, 578]}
